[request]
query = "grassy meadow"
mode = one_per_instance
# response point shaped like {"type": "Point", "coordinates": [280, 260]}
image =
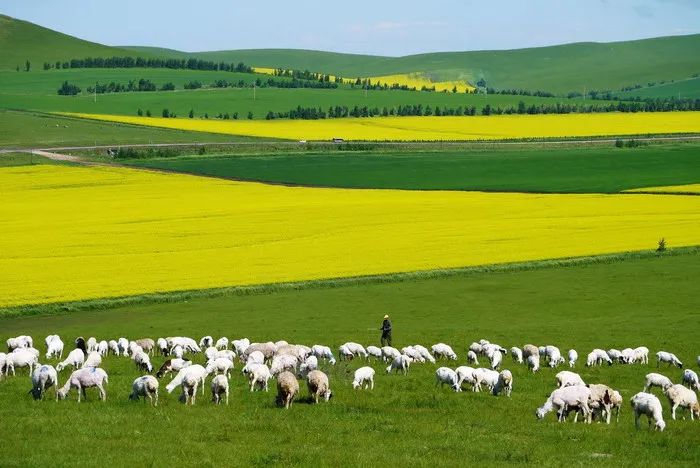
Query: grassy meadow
{"type": "Point", "coordinates": [568, 169]}
{"type": "Point", "coordinates": [404, 420]}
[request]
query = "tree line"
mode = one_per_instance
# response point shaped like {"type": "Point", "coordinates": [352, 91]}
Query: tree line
{"type": "Point", "coordinates": [141, 62]}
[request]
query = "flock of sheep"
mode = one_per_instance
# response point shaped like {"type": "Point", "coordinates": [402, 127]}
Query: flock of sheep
{"type": "Point", "coordinates": [286, 363]}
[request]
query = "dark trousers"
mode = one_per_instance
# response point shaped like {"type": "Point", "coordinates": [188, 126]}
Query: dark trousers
{"type": "Point", "coordinates": [386, 339]}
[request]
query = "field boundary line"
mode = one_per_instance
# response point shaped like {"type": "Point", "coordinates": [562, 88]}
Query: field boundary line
{"type": "Point", "coordinates": [269, 288]}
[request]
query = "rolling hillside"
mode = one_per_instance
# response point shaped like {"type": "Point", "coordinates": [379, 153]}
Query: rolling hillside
{"type": "Point", "coordinates": [559, 69]}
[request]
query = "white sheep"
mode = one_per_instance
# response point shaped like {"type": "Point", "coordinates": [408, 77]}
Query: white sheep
{"type": "Point", "coordinates": [173, 365]}
{"type": "Point", "coordinates": [487, 377]}
{"type": "Point", "coordinates": [356, 349]}
{"type": "Point", "coordinates": [656, 380]}
{"type": "Point", "coordinates": [466, 373]}
{"type": "Point", "coordinates": [43, 378]}
{"type": "Point", "coordinates": [568, 379]}
{"type": "Point", "coordinates": [147, 345]}
{"type": "Point", "coordinates": [389, 353]}
{"type": "Point", "coordinates": [20, 357]}
{"type": "Point", "coordinates": [50, 338]}
{"type": "Point", "coordinates": [91, 344]}
{"type": "Point", "coordinates": [601, 400]}
{"type": "Point", "coordinates": [142, 361]}
{"type": "Point", "coordinates": [287, 389]}
{"type": "Point", "coordinates": [55, 348]}
{"type": "Point", "coordinates": [283, 362]}
{"type": "Point", "coordinates": [123, 344]}
{"type": "Point", "coordinates": [564, 399]}
{"type": "Point", "coordinates": [690, 378]}
{"type": "Point", "coordinates": [114, 347]}
{"type": "Point", "coordinates": [325, 353]}
{"type": "Point", "coordinates": [554, 356]}
{"type": "Point", "coordinates": [472, 358]}
{"type": "Point", "coordinates": [573, 357]}
{"type": "Point", "coordinates": [145, 386]}
{"type": "Point", "coordinates": [476, 348]}
{"type": "Point", "coordinates": [424, 353]}
{"type": "Point", "coordinates": [364, 377]}
{"type": "Point", "coordinates": [3, 360]}
{"type": "Point", "coordinates": [195, 370]}
{"type": "Point", "coordinates": [219, 387]}
{"type": "Point", "coordinates": [616, 400]}
{"type": "Point", "coordinates": [374, 351]}
{"type": "Point", "coordinates": [177, 351]}
{"type": "Point", "coordinates": [516, 353]}
{"type": "Point", "coordinates": [258, 374]}
{"type": "Point", "coordinates": [103, 348]}
{"type": "Point", "coordinates": [22, 341]}
{"type": "Point", "coordinates": [496, 358]}
{"type": "Point", "coordinates": [318, 385]}
{"type": "Point", "coordinates": [189, 385]}
{"type": "Point", "coordinates": [504, 383]}
{"type": "Point", "coordinates": [162, 344]}
{"type": "Point", "coordinates": [92, 360]}
{"type": "Point", "coordinates": [668, 358]}
{"type": "Point", "coordinates": [256, 357]}
{"type": "Point", "coordinates": [533, 362]}
{"type": "Point", "coordinates": [615, 355]}
{"type": "Point", "coordinates": [641, 354]}
{"type": "Point", "coordinates": [240, 345]}
{"type": "Point", "coordinates": [221, 343]}
{"type": "Point", "coordinates": [413, 353]}
{"type": "Point", "coordinates": [445, 375]}
{"type": "Point", "coordinates": [530, 350]}
{"type": "Point", "coordinates": [628, 356]}
{"type": "Point", "coordinates": [220, 366]}
{"type": "Point", "coordinates": [401, 363]}
{"type": "Point", "coordinates": [344, 353]}
{"type": "Point", "coordinates": [649, 405]}
{"type": "Point", "coordinates": [311, 363]}
{"type": "Point", "coordinates": [680, 396]}
{"type": "Point", "coordinates": [84, 378]}
{"type": "Point", "coordinates": [597, 356]}
{"type": "Point", "coordinates": [442, 350]}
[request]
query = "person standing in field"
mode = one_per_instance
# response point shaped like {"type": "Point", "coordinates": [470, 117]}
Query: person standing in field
{"type": "Point", "coordinates": [386, 331]}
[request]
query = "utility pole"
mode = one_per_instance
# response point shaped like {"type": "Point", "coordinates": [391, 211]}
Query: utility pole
{"type": "Point", "coordinates": [253, 91]}
{"type": "Point", "coordinates": [95, 91]}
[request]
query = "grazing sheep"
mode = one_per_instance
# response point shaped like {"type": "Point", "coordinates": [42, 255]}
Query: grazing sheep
{"type": "Point", "coordinates": [641, 354]}
{"type": "Point", "coordinates": [356, 349]}
{"type": "Point", "coordinates": [628, 356]}
{"type": "Point", "coordinates": [219, 387]}
{"type": "Point", "coordinates": [317, 383]}
{"type": "Point", "coordinates": [103, 348]}
{"type": "Point", "coordinates": [400, 363]}
{"type": "Point", "coordinates": [172, 365]}
{"type": "Point", "coordinates": [177, 351]}
{"type": "Point", "coordinates": [55, 348]}
{"type": "Point", "coordinates": [441, 350]}
{"type": "Point", "coordinates": [91, 344]}
{"type": "Point", "coordinates": [445, 375]}
{"type": "Point", "coordinates": [616, 400]}
{"type": "Point", "coordinates": [3, 360]}
{"type": "Point", "coordinates": [206, 342]}
{"type": "Point", "coordinates": [162, 346]}
{"type": "Point", "coordinates": [255, 357]}
{"type": "Point", "coordinates": [344, 353]}
{"type": "Point", "coordinates": [564, 399]}
{"type": "Point", "coordinates": [220, 366]}
{"type": "Point", "coordinates": [325, 353]}
{"type": "Point", "coordinates": [533, 362]}
{"type": "Point", "coordinates": [668, 358]}
{"type": "Point", "coordinates": [142, 361]}
{"type": "Point", "coordinates": [258, 374]}
{"type": "Point", "coordinates": [472, 358]}
{"type": "Point", "coordinates": [374, 351]}
{"type": "Point", "coordinates": [657, 380]}
{"type": "Point", "coordinates": [466, 373]}
{"type": "Point", "coordinates": [486, 377]}
{"type": "Point", "coordinates": [390, 353]}
{"type": "Point", "coordinates": [311, 363]}
{"type": "Point", "coordinates": [283, 362]}
{"type": "Point", "coordinates": [424, 353]}
{"type": "Point", "coordinates": [530, 350]}
{"type": "Point", "coordinates": [600, 401]}
{"type": "Point", "coordinates": [364, 377]}
{"type": "Point", "coordinates": [615, 354]}
{"type": "Point", "coordinates": [412, 353]}
{"type": "Point", "coordinates": [210, 352]}
{"type": "Point", "coordinates": [123, 344]}
{"type": "Point", "coordinates": [267, 349]}
{"type": "Point", "coordinates": [145, 386]}
{"type": "Point", "coordinates": [22, 341]}
{"type": "Point", "coordinates": [476, 348]}
{"type": "Point", "coordinates": [516, 353]}
{"type": "Point", "coordinates": [496, 359]}
{"type": "Point", "coordinates": [649, 405]}
{"type": "Point", "coordinates": [147, 345]}
{"type": "Point", "coordinates": [43, 378]}
{"type": "Point", "coordinates": [50, 338]}
{"type": "Point", "coordinates": [690, 378]}
{"type": "Point", "coordinates": [195, 370]}
{"type": "Point", "coordinates": [92, 360]}
{"type": "Point", "coordinates": [287, 389]}
{"type": "Point", "coordinates": [568, 379]}
{"type": "Point", "coordinates": [189, 389]}
{"type": "Point", "coordinates": [134, 348]}
{"type": "Point", "coordinates": [221, 343]}
{"type": "Point", "coordinates": [678, 395]}
{"type": "Point", "coordinates": [504, 383]}
{"type": "Point", "coordinates": [573, 357]}
{"type": "Point", "coordinates": [20, 357]}
{"type": "Point", "coordinates": [555, 357]}
{"type": "Point", "coordinates": [596, 358]}
{"type": "Point", "coordinates": [114, 347]}
{"type": "Point", "coordinates": [241, 345]}
{"type": "Point", "coordinates": [81, 379]}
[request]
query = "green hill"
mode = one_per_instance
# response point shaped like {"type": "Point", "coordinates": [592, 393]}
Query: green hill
{"type": "Point", "coordinates": [21, 41]}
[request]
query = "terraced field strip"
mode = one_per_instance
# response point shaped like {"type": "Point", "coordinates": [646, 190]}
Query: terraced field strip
{"type": "Point", "coordinates": [501, 127]}
{"type": "Point", "coordinates": [72, 233]}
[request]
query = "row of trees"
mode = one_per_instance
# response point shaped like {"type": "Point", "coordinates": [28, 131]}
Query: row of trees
{"type": "Point", "coordinates": [140, 62]}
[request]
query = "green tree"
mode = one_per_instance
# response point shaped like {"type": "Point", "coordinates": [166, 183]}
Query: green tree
{"type": "Point", "coordinates": [250, 115]}
{"type": "Point", "coordinates": [166, 113]}
{"type": "Point", "coordinates": [148, 113]}
{"type": "Point", "coordinates": [27, 66]}
{"type": "Point", "coordinates": [191, 114]}
{"type": "Point", "coordinates": [139, 112]}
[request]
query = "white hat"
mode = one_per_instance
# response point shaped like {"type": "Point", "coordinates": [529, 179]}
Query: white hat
{"type": "Point", "coordinates": [386, 316]}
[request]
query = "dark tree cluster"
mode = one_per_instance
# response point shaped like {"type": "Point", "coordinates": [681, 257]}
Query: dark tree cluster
{"type": "Point", "coordinates": [113, 87]}
{"type": "Point", "coordinates": [68, 89]}
{"type": "Point", "coordinates": [141, 62]}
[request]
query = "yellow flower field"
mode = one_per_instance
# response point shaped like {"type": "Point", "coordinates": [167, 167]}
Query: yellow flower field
{"type": "Point", "coordinates": [418, 80]}
{"type": "Point", "coordinates": [689, 188]}
{"type": "Point", "coordinates": [71, 233]}
{"type": "Point", "coordinates": [496, 127]}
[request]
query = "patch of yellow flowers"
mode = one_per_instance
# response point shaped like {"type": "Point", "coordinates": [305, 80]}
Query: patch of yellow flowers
{"type": "Point", "coordinates": [495, 127]}
{"type": "Point", "coordinates": [71, 233]}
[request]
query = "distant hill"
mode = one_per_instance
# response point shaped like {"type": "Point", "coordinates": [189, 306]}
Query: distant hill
{"type": "Point", "coordinates": [21, 41]}
{"type": "Point", "coordinates": [558, 69]}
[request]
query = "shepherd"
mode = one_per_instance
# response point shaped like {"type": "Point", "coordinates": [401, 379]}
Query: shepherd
{"type": "Point", "coordinates": [386, 331]}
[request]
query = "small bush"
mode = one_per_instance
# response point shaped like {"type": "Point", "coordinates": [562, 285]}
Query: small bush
{"type": "Point", "coordinates": [662, 245]}
{"type": "Point", "coordinates": [619, 143]}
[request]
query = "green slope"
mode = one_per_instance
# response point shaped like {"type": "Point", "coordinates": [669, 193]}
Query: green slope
{"type": "Point", "coordinates": [21, 41]}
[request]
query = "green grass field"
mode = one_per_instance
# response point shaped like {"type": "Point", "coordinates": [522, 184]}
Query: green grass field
{"type": "Point", "coordinates": [685, 89]}
{"type": "Point", "coordinates": [405, 420]}
{"type": "Point", "coordinates": [567, 169]}
{"type": "Point", "coordinates": [31, 130]}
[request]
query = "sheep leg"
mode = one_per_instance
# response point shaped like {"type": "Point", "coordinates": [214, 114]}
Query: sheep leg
{"type": "Point", "coordinates": [227, 396]}
{"type": "Point", "coordinates": [673, 411]}
{"type": "Point", "coordinates": [156, 402]}
{"type": "Point", "coordinates": [80, 390]}
{"type": "Point", "coordinates": [636, 420]}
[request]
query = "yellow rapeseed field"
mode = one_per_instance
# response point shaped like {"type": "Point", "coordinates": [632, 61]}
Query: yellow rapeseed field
{"type": "Point", "coordinates": [689, 188]}
{"type": "Point", "coordinates": [435, 128]}
{"type": "Point", "coordinates": [418, 80]}
{"type": "Point", "coordinates": [71, 233]}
